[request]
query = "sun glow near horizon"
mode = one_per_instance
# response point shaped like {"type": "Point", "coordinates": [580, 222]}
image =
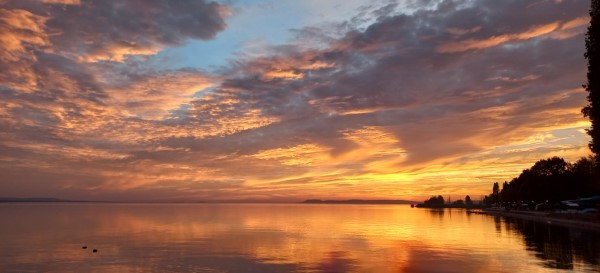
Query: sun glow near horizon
{"type": "Point", "coordinates": [340, 100]}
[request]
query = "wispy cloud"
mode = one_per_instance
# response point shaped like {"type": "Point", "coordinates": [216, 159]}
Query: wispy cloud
{"type": "Point", "coordinates": [556, 30]}
{"type": "Point", "coordinates": [440, 99]}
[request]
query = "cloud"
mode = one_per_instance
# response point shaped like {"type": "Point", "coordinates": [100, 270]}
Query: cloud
{"type": "Point", "coordinates": [62, 2]}
{"type": "Point", "coordinates": [533, 32]}
{"type": "Point", "coordinates": [20, 28]}
{"type": "Point", "coordinates": [93, 31]}
{"type": "Point", "coordinates": [414, 102]}
{"type": "Point", "coordinates": [440, 107]}
{"type": "Point", "coordinates": [154, 95]}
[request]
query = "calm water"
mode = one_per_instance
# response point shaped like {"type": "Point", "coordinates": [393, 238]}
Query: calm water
{"type": "Point", "coordinates": [282, 238]}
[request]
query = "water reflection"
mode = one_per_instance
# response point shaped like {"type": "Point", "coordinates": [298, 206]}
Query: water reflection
{"type": "Point", "coordinates": [558, 247]}
{"type": "Point", "coordinates": [336, 262]}
{"type": "Point", "coordinates": [439, 213]}
{"type": "Point", "coordinates": [279, 238]}
{"type": "Point", "coordinates": [424, 260]}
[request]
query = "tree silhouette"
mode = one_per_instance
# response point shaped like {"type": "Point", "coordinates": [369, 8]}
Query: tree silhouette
{"type": "Point", "coordinates": [549, 167]}
{"type": "Point", "coordinates": [468, 201]}
{"type": "Point", "coordinates": [435, 201]}
{"type": "Point", "coordinates": [551, 179]}
{"type": "Point", "coordinates": [584, 165]}
{"type": "Point", "coordinates": [495, 192]}
{"type": "Point", "coordinates": [592, 110]}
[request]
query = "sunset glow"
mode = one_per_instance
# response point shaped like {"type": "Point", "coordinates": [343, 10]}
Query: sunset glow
{"type": "Point", "coordinates": [281, 101]}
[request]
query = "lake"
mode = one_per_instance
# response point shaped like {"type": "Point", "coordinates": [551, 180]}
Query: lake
{"type": "Point", "coordinates": [263, 238]}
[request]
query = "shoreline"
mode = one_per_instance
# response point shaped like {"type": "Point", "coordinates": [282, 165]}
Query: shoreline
{"type": "Point", "coordinates": [545, 217]}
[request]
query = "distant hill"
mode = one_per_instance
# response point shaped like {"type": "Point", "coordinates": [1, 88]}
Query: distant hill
{"type": "Point", "coordinates": [357, 201]}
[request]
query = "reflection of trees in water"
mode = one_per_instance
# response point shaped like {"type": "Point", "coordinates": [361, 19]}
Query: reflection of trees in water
{"type": "Point", "coordinates": [437, 212]}
{"type": "Point", "coordinates": [337, 262]}
{"type": "Point", "coordinates": [559, 247]}
{"type": "Point", "coordinates": [498, 224]}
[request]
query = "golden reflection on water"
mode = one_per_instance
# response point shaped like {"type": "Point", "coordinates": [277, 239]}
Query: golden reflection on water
{"type": "Point", "coordinates": [269, 238]}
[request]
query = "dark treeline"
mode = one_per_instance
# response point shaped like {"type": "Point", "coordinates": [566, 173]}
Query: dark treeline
{"type": "Point", "coordinates": [551, 180]}
{"type": "Point", "coordinates": [592, 54]}
{"type": "Point", "coordinates": [435, 201]}
{"type": "Point", "coordinates": [439, 202]}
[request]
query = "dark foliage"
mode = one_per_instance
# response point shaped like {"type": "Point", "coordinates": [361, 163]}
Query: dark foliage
{"type": "Point", "coordinates": [495, 192]}
{"type": "Point", "coordinates": [468, 201]}
{"type": "Point", "coordinates": [592, 110]}
{"type": "Point", "coordinates": [551, 179]}
{"type": "Point", "coordinates": [435, 201]}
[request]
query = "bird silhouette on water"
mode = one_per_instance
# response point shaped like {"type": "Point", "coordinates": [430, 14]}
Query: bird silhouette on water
{"type": "Point", "coordinates": [93, 250]}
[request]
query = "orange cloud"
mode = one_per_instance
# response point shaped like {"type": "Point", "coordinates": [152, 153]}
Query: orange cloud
{"type": "Point", "coordinates": [117, 53]}
{"type": "Point", "coordinates": [533, 32]}
{"type": "Point", "coordinates": [154, 96]}
{"type": "Point", "coordinates": [18, 29]}
{"type": "Point", "coordinates": [62, 2]}
{"type": "Point", "coordinates": [377, 113]}
{"type": "Point", "coordinates": [309, 155]}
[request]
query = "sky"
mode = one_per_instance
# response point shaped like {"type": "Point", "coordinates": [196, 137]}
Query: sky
{"type": "Point", "coordinates": [282, 101]}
